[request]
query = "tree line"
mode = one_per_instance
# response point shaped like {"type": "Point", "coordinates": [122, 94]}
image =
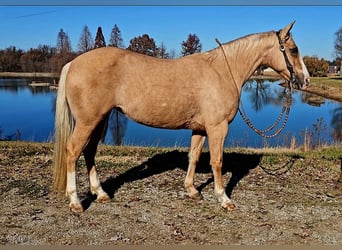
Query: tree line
{"type": "Point", "coordinates": [319, 66]}
{"type": "Point", "coordinates": [45, 58]}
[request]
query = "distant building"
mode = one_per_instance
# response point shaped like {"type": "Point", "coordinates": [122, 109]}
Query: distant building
{"type": "Point", "coordinates": [332, 69]}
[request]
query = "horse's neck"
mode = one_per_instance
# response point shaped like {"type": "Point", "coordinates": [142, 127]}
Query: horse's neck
{"type": "Point", "coordinates": [243, 56]}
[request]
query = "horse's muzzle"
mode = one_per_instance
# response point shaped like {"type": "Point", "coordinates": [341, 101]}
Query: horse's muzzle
{"type": "Point", "coordinates": [306, 82]}
{"type": "Point", "coordinates": [302, 82]}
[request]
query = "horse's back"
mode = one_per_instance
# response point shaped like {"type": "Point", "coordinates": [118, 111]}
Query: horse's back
{"type": "Point", "coordinates": [132, 72]}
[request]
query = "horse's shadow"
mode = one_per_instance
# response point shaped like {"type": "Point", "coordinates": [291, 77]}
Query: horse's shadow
{"type": "Point", "coordinates": [238, 164]}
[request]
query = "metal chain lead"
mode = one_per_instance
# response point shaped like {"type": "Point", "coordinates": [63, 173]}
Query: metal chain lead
{"type": "Point", "coordinates": [286, 109]}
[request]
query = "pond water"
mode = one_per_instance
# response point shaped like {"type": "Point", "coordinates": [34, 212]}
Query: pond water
{"type": "Point", "coordinates": [27, 113]}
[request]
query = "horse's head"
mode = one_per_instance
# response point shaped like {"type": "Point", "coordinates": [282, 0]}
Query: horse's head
{"type": "Point", "coordinates": [287, 61]}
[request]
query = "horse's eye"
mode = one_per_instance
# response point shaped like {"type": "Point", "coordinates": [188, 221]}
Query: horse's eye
{"type": "Point", "coordinates": [294, 51]}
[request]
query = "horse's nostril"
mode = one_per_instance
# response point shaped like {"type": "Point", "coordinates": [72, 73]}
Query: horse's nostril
{"type": "Point", "coordinates": [307, 81]}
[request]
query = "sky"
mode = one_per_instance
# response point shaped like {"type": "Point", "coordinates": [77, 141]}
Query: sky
{"type": "Point", "coordinates": [28, 27]}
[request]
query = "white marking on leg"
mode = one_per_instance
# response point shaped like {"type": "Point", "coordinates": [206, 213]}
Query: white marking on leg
{"type": "Point", "coordinates": [95, 186]}
{"type": "Point", "coordinates": [222, 197]}
{"type": "Point", "coordinates": [218, 187]}
{"type": "Point", "coordinates": [71, 190]}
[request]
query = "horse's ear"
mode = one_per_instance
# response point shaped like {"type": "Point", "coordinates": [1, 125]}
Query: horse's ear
{"type": "Point", "coordinates": [285, 33]}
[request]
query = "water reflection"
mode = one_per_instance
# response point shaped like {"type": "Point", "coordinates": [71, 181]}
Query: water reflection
{"type": "Point", "coordinates": [39, 90]}
{"type": "Point", "coordinates": [117, 126]}
{"type": "Point", "coordinates": [17, 85]}
{"type": "Point", "coordinates": [13, 85]}
{"type": "Point", "coordinates": [311, 99]}
{"type": "Point", "coordinates": [262, 94]}
{"type": "Point", "coordinates": [336, 124]}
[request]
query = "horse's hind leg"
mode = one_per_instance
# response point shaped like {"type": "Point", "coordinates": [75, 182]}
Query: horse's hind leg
{"type": "Point", "coordinates": [89, 156]}
{"type": "Point", "coordinates": [75, 146]}
{"type": "Point", "coordinates": [197, 141]}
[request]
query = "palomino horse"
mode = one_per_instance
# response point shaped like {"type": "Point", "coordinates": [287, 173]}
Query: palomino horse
{"type": "Point", "coordinates": [200, 92]}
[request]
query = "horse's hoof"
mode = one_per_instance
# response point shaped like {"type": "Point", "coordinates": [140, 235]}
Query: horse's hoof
{"type": "Point", "coordinates": [229, 206]}
{"type": "Point", "coordinates": [196, 196]}
{"type": "Point", "coordinates": [76, 208]}
{"type": "Point", "coordinates": [103, 198]}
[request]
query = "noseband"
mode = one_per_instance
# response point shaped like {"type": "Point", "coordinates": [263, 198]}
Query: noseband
{"type": "Point", "coordinates": [288, 64]}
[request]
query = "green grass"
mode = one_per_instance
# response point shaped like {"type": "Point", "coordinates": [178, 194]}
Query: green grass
{"type": "Point", "coordinates": [14, 149]}
{"type": "Point", "coordinates": [328, 153]}
{"type": "Point", "coordinates": [332, 81]}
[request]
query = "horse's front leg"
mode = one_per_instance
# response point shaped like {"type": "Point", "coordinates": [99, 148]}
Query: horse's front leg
{"type": "Point", "coordinates": [216, 137]}
{"type": "Point", "coordinates": [197, 142]}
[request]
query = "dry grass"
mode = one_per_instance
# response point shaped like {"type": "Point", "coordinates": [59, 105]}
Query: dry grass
{"type": "Point", "coordinates": [329, 87]}
{"type": "Point", "coordinates": [332, 81]}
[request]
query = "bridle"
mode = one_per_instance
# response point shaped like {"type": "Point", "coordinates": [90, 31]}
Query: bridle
{"type": "Point", "coordinates": [287, 61]}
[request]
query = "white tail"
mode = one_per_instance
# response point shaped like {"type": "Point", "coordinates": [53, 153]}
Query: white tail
{"type": "Point", "coordinates": [64, 126]}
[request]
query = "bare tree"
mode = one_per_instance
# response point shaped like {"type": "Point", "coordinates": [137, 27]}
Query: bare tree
{"type": "Point", "coordinates": [338, 43]}
{"type": "Point", "coordinates": [86, 42]}
{"type": "Point", "coordinates": [63, 42]}
{"type": "Point", "coordinates": [10, 59]}
{"type": "Point", "coordinates": [172, 54]}
{"type": "Point", "coordinates": [37, 60]}
{"type": "Point", "coordinates": [116, 38]}
{"type": "Point", "coordinates": [99, 39]}
{"type": "Point", "coordinates": [162, 52]}
{"type": "Point", "coordinates": [63, 53]}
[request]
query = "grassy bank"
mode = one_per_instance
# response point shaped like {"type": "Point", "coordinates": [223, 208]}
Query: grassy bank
{"type": "Point", "coordinates": [328, 87]}
{"type": "Point", "coordinates": [332, 81]}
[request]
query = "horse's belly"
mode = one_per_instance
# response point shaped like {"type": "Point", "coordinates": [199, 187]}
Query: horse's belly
{"type": "Point", "coordinates": [160, 116]}
{"type": "Point", "coordinates": [159, 105]}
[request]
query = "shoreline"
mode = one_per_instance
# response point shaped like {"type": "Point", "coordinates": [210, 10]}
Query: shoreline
{"type": "Point", "coordinates": [28, 75]}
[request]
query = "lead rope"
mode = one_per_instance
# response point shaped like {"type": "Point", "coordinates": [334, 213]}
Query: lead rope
{"type": "Point", "coordinates": [285, 109]}
{"type": "Point", "coordinates": [229, 69]}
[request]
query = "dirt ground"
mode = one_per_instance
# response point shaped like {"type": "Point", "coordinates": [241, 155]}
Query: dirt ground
{"type": "Point", "coordinates": [281, 199]}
